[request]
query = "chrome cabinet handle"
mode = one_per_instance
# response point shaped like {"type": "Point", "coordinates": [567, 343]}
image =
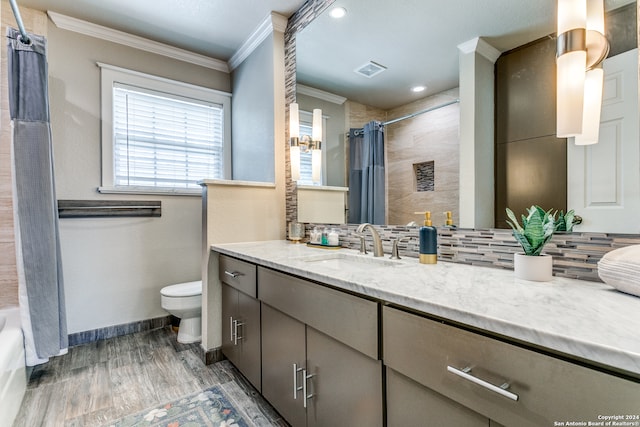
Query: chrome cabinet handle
{"type": "Point", "coordinates": [233, 274]}
{"type": "Point", "coordinates": [236, 323]}
{"type": "Point", "coordinates": [295, 381]}
{"type": "Point", "coordinates": [466, 374]}
{"type": "Point", "coordinates": [306, 396]}
{"type": "Point", "coordinates": [233, 324]}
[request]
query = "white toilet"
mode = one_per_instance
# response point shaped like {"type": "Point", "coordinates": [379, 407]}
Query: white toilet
{"type": "Point", "coordinates": [184, 300]}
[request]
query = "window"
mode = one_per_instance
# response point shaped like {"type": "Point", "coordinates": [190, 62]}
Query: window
{"type": "Point", "coordinates": [160, 135]}
{"type": "Point", "coordinates": [306, 125]}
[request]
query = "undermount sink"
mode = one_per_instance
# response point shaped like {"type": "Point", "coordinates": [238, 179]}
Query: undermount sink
{"type": "Point", "coordinates": [342, 261]}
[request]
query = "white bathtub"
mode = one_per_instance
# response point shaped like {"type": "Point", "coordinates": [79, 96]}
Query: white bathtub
{"type": "Point", "coordinates": [13, 375]}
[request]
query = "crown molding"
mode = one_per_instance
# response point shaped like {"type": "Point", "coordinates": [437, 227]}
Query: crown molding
{"type": "Point", "coordinates": [320, 94]}
{"type": "Point", "coordinates": [273, 22]}
{"type": "Point", "coordinates": [479, 45]}
{"type": "Point", "coordinates": [104, 33]}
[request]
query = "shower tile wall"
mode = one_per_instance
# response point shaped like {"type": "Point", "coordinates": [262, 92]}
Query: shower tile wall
{"type": "Point", "coordinates": [429, 137]}
{"type": "Point", "coordinates": [36, 22]}
{"type": "Point", "coordinates": [359, 114]}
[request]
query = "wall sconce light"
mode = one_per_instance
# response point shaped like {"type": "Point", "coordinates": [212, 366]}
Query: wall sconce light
{"type": "Point", "coordinates": [581, 48]}
{"type": "Point", "coordinates": [305, 143]}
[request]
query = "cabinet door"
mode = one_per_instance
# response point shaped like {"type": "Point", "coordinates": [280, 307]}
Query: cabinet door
{"type": "Point", "coordinates": [411, 404]}
{"type": "Point", "coordinates": [507, 383]}
{"type": "Point", "coordinates": [283, 344]}
{"type": "Point", "coordinates": [229, 314]}
{"type": "Point", "coordinates": [249, 338]}
{"type": "Point", "coordinates": [346, 385]}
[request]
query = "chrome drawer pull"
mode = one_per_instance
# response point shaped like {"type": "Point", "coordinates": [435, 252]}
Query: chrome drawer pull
{"type": "Point", "coordinates": [466, 374]}
{"type": "Point", "coordinates": [233, 274]}
{"type": "Point", "coordinates": [231, 325]}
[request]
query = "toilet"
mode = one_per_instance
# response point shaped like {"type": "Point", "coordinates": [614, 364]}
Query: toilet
{"type": "Point", "coordinates": [184, 300]}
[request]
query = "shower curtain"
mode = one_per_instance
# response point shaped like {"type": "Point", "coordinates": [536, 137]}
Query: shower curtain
{"type": "Point", "coordinates": [41, 290]}
{"type": "Point", "coordinates": [366, 174]}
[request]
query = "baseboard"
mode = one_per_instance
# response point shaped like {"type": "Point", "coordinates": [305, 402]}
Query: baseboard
{"type": "Point", "coordinates": [85, 337]}
{"type": "Point", "coordinates": [209, 357]}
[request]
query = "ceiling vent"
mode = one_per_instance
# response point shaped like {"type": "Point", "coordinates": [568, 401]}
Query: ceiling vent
{"type": "Point", "coordinates": [370, 69]}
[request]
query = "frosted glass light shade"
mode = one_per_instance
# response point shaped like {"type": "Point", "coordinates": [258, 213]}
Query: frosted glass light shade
{"type": "Point", "coordinates": [570, 95]}
{"type": "Point", "coordinates": [316, 165]}
{"type": "Point", "coordinates": [294, 121]}
{"type": "Point", "coordinates": [294, 154]}
{"type": "Point", "coordinates": [595, 15]}
{"type": "Point", "coordinates": [593, 84]}
{"type": "Point", "coordinates": [316, 132]}
{"type": "Point", "coordinates": [571, 14]}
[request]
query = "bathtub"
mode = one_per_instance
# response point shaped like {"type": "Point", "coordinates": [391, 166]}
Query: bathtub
{"type": "Point", "coordinates": [13, 375]}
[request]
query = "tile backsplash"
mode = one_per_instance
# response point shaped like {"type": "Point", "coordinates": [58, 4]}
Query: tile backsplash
{"type": "Point", "coordinates": [575, 255]}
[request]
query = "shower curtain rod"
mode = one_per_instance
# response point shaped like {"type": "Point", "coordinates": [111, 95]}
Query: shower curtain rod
{"type": "Point", "coordinates": [16, 13]}
{"type": "Point", "coordinates": [408, 116]}
{"type": "Point", "coordinates": [417, 113]}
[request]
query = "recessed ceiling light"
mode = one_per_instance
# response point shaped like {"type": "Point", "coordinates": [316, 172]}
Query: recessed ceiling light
{"type": "Point", "coordinates": [418, 88]}
{"type": "Point", "coordinates": [338, 12]}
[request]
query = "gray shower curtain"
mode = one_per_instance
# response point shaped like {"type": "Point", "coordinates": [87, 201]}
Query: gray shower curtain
{"type": "Point", "coordinates": [366, 174]}
{"type": "Point", "coordinates": [39, 263]}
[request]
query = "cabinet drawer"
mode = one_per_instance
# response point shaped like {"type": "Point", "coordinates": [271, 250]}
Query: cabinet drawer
{"type": "Point", "coordinates": [238, 274]}
{"type": "Point", "coordinates": [347, 318]}
{"type": "Point", "coordinates": [548, 390]}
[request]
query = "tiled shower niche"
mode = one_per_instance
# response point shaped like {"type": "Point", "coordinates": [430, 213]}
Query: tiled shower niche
{"type": "Point", "coordinates": [424, 172]}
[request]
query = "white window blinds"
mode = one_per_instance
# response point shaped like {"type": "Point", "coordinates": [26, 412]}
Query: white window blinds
{"type": "Point", "coordinates": [165, 141]}
{"type": "Point", "coordinates": [306, 127]}
{"type": "Point", "coordinates": [305, 158]}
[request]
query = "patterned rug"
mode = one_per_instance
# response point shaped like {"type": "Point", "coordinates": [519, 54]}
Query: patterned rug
{"type": "Point", "coordinates": [210, 407]}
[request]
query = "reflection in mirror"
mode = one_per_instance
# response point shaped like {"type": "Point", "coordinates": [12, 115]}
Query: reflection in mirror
{"type": "Point", "coordinates": [427, 143]}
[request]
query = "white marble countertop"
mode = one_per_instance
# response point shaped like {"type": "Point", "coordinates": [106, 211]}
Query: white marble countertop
{"type": "Point", "coordinates": [586, 320]}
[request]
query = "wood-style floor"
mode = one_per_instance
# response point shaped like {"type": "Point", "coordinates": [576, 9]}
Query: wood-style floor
{"type": "Point", "coordinates": [105, 380]}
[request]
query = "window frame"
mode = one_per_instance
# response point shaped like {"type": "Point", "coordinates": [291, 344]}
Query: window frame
{"type": "Point", "coordinates": [111, 74]}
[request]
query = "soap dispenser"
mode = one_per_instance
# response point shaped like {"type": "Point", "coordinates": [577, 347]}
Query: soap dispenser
{"type": "Point", "coordinates": [448, 222]}
{"type": "Point", "coordinates": [428, 241]}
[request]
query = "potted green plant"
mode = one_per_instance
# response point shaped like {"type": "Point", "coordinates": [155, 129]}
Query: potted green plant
{"type": "Point", "coordinates": [536, 230]}
{"type": "Point", "coordinates": [566, 221]}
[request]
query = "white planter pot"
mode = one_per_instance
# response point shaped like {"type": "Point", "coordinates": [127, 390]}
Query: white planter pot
{"type": "Point", "coordinates": [537, 268]}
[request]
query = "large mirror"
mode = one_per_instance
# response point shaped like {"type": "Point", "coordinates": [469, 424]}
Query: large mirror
{"type": "Point", "coordinates": [416, 44]}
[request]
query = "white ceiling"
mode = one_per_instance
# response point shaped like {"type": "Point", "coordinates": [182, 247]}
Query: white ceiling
{"type": "Point", "coordinates": [415, 39]}
{"type": "Point", "coordinates": [214, 28]}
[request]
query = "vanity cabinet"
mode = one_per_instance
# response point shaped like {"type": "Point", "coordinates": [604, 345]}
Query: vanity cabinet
{"type": "Point", "coordinates": [411, 404]}
{"type": "Point", "coordinates": [472, 374]}
{"type": "Point", "coordinates": [320, 364]}
{"type": "Point", "coordinates": [241, 317]}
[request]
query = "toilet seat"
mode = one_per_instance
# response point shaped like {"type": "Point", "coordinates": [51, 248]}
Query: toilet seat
{"type": "Point", "coordinates": [187, 289]}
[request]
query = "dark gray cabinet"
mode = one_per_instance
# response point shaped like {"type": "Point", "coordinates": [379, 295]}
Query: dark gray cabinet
{"type": "Point", "coordinates": [310, 377]}
{"type": "Point", "coordinates": [316, 354]}
{"type": "Point", "coordinates": [526, 147]}
{"type": "Point", "coordinates": [511, 385]}
{"type": "Point", "coordinates": [241, 318]}
{"type": "Point", "coordinates": [411, 404]}
{"type": "Point", "coordinates": [283, 353]}
{"type": "Point", "coordinates": [241, 332]}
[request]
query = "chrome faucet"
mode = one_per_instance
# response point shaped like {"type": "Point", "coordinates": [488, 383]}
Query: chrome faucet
{"type": "Point", "coordinates": [377, 242]}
